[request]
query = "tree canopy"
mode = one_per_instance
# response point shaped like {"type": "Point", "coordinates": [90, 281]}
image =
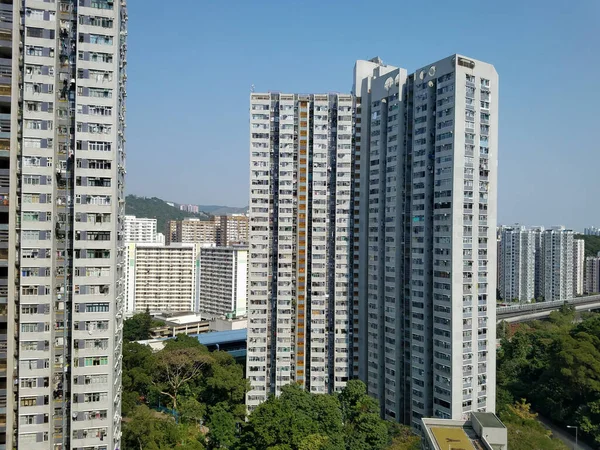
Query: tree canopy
{"type": "Point", "coordinates": [186, 397]}
{"type": "Point", "coordinates": [555, 366]}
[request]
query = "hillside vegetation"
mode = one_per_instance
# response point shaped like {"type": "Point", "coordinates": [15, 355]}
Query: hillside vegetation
{"type": "Point", "coordinates": [592, 244]}
{"type": "Point", "coordinates": [555, 366]}
{"type": "Point", "coordinates": [155, 208]}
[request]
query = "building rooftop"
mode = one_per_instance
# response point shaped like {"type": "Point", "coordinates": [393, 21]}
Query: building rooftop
{"type": "Point", "coordinates": [488, 420]}
{"type": "Point", "coordinates": [222, 337]}
{"type": "Point", "coordinates": [452, 438]}
{"type": "Point", "coordinates": [482, 431]}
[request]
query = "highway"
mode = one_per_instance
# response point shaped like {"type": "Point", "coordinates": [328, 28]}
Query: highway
{"type": "Point", "coordinates": [531, 311]}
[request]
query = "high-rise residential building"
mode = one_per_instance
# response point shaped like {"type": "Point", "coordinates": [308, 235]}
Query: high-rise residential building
{"type": "Point", "coordinates": [196, 231]}
{"type": "Point", "coordinates": [161, 278]}
{"type": "Point", "coordinates": [592, 275]}
{"type": "Point", "coordinates": [578, 266]}
{"type": "Point", "coordinates": [539, 272]}
{"type": "Point", "coordinates": [426, 271]}
{"type": "Point", "coordinates": [62, 146]}
{"type": "Point", "coordinates": [557, 254]}
{"type": "Point", "coordinates": [232, 230]}
{"type": "Point", "coordinates": [300, 242]}
{"type": "Point", "coordinates": [591, 231]}
{"type": "Point", "coordinates": [189, 208]}
{"type": "Point", "coordinates": [517, 264]}
{"type": "Point", "coordinates": [140, 229]}
{"type": "Point", "coordinates": [222, 275]}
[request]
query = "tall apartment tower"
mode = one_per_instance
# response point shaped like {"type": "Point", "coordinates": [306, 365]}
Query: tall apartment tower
{"type": "Point", "coordinates": [517, 264]}
{"type": "Point", "coordinates": [539, 272]}
{"type": "Point", "coordinates": [300, 234]}
{"type": "Point", "coordinates": [578, 266]}
{"type": "Point", "coordinates": [67, 168]}
{"type": "Point", "coordinates": [427, 237]}
{"type": "Point", "coordinates": [557, 253]}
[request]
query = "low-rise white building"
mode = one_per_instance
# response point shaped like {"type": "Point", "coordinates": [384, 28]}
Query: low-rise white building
{"type": "Point", "coordinates": [222, 274]}
{"type": "Point", "coordinates": [161, 278]}
{"type": "Point", "coordinates": [139, 229]}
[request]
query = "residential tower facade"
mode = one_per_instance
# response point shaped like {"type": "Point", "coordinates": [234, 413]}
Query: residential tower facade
{"type": "Point", "coordinates": [300, 233]}
{"type": "Point", "coordinates": [427, 237]}
{"type": "Point", "coordinates": [222, 280]}
{"type": "Point", "coordinates": [67, 209]}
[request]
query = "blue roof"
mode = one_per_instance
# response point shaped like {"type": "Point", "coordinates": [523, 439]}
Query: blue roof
{"type": "Point", "coordinates": [222, 337]}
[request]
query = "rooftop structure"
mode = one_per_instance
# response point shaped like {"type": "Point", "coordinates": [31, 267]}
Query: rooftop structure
{"type": "Point", "coordinates": [483, 431]}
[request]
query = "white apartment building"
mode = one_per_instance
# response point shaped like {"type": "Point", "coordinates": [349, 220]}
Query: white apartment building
{"type": "Point", "coordinates": [63, 81]}
{"type": "Point", "coordinates": [578, 266]}
{"type": "Point", "coordinates": [427, 246]}
{"type": "Point", "coordinates": [301, 188]}
{"type": "Point", "coordinates": [557, 253]}
{"type": "Point", "coordinates": [517, 264]}
{"type": "Point", "coordinates": [161, 278]}
{"type": "Point", "coordinates": [222, 276]}
{"type": "Point", "coordinates": [592, 275]}
{"type": "Point", "coordinates": [140, 229]}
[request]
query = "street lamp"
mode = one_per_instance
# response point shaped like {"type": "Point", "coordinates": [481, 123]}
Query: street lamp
{"type": "Point", "coordinates": [576, 429]}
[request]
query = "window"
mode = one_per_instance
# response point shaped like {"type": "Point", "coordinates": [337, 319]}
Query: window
{"type": "Point", "coordinates": [104, 22]}
{"type": "Point", "coordinates": [32, 179]}
{"type": "Point", "coordinates": [96, 361]}
{"type": "Point", "coordinates": [99, 93]}
{"type": "Point", "coordinates": [91, 307]}
{"type": "Point", "coordinates": [100, 39]}
{"type": "Point", "coordinates": [102, 4]}
{"type": "Point", "coordinates": [32, 142]}
{"type": "Point", "coordinates": [95, 397]}
{"type": "Point", "coordinates": [100, 57]}
{"type": "Point", "coordinates": [99, 146]}
{"type": "Point", "coordinates": [29, 328]}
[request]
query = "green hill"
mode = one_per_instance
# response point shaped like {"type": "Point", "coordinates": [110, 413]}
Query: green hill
{"type": "Point", "coordinates": [155, 208]}
{"type": "Point", "coordinates": [592, 244]}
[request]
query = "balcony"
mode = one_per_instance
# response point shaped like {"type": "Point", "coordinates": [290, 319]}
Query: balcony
{"type": "Point", "coordinates": [4, 126]}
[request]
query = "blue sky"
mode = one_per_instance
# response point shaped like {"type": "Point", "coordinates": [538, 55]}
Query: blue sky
{"type": "Point", "coordinates": [191, 65]}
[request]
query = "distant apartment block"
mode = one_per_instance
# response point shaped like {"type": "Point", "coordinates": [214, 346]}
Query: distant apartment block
{"type": "Point", "coordinates": [196, 231]}
{"type": "Point", "coordinates": [222, 280]}
{"type": "Point", "coordinates": [232, 230]}
{"type": "Point", "coordinates": [139, 229]}
{"type": "Point", "coordinates": [591, 231]}
{"type": "Point", "coordinates": [538, 263]}
{"type": "Point", "coordinates": [517, 264]}
{"type": "Point", "coordinates": [161, 278]}
{"type": "Point", "coordinates": [189, 208]}
{"type": "Point", "coordinates": [592, 275]}
{"type": "Point", "coordinates": [557, 258]}
{"type": "Point", "coordinates": [578, 266]}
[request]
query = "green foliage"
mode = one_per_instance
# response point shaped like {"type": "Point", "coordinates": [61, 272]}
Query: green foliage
{"type": "Point", "coordinates": [555, 365]}
{"type": "Point", "coordinates": [155, 208]}
{"type": "Point", "coordinates": [592, 244]}
{"type": "Point", "coordinates": [222, 426]}
{"type": "Point", "coordinates": [197, 387]}
{"type": "Point", "coordinates": [137, 328]}
{"type": "Point", "coordinates": [202, 396]}
{"type": "Point", "coordinates": [299, 420]}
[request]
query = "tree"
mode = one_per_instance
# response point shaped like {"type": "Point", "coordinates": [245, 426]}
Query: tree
{"type": "Point", "coordinates": [144, 430]}
{"type": "Point", "coordinates": [555, 366]}
{"type": "Point", "coordinates": [403, 438]}
{"type": "Point", "coordinates": [222, 427]}
{"type": "Point", "coordinates": [176, 368]}
{"type": "Point", "coordinates": [137, 328]}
